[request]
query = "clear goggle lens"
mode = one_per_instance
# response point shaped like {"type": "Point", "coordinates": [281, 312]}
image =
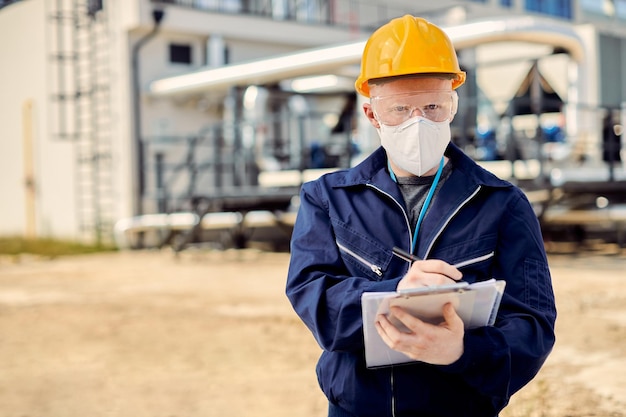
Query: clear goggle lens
{"type": "Point", "coordinates": [437, 106]}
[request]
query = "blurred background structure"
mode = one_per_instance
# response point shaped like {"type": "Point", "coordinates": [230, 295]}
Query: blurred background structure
{"type": "Point", "coordinates": [146, 123]}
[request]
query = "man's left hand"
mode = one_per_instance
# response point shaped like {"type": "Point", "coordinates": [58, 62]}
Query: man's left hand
{"type": "Point", "coordinates": [440, 344]}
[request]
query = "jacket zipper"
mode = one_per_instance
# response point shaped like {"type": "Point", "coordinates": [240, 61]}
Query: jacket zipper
{"type": "Point", "coordinates": [432, 242]}
{"type": "Point", "coordinates": [474, 260]}
{"type": "Point", "coordinates": [406, 218]}
{"type": "Point", "coordinates": [374, 268]}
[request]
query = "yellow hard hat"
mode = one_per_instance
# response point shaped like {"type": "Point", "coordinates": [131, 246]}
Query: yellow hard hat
{"type": "Point", "coordinates": [408, 45]}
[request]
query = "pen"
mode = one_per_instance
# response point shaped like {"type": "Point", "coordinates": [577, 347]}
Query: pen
{"type": "Point", "coordinates": [400, 253]}
{"type": "Point", "coordinates": [409, 257]}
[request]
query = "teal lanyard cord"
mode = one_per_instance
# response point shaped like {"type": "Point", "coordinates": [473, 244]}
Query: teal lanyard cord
{"type": "Point", "coordinates": [429, 198]}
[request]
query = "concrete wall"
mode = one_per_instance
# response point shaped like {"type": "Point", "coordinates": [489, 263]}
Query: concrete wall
{"type": "Point", "coordinates": [23, 81]}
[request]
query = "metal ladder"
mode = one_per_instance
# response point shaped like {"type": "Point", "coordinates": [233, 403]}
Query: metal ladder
{"type": "Point", "coordinates": [81, 112]}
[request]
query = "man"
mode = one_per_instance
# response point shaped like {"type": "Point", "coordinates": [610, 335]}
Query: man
{"type": "Point", "coordinates": [421, 193]}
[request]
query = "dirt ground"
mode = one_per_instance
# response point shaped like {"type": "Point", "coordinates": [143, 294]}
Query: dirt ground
{"type": "Point", "coordinates": [210, 333]}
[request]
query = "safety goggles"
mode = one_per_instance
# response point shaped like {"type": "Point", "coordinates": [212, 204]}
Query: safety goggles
{"type": "Point", "coordinates": [437, 106]}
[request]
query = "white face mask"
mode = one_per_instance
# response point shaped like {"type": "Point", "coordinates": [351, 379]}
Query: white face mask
{"type": "Point", "coordinates": [416, 145]}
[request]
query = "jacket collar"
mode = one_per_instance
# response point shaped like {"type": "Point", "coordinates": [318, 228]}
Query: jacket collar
{"type": "Point", "coordinates": [467, 177]}
{"type": "Point", "coordinates": [474, 173]}
{"type": "Point", "coordinates": [373, 170]}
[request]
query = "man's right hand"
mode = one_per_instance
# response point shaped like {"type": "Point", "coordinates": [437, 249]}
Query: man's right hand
{"type": "Point", "coordinates": [429, 272]}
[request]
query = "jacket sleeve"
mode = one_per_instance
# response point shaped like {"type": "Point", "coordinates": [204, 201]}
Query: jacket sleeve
{"type": "Point", "coordinates": [500, 360]}
{"type": "Point", "coordinates": [319, 287]}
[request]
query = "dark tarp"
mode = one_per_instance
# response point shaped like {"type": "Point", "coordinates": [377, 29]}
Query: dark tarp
{"type": "Point", "coordinates": [534, 96]}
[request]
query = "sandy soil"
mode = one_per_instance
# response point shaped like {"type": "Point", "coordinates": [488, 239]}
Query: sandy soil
{"type": "Point", "coordinates": [208, 333]}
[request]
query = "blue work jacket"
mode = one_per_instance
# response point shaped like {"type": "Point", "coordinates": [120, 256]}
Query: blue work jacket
{"type": "Point", "coordinates": [347, 225]}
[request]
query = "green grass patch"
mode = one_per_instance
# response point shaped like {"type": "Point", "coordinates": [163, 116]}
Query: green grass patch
{"type": "Point", "coordinates": [48, 247]}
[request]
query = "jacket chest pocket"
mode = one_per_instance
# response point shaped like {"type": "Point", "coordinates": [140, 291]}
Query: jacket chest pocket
{"type": "Point", "coordinates": [362, 255]}
{"type": "Point", "coordinates": [474, 258]}
{"type": "Point", "coordinates": [477, 268]}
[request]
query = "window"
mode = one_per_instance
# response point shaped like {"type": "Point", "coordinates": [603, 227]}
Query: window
{"type": "Point", "coordinates": [559, 8]}
{"type": "Point", "coordinates": [506, 3]}
{"type": "Point", "coordinates": [180, 54]}
{"type": "Point", "coordinates": [93, 7]}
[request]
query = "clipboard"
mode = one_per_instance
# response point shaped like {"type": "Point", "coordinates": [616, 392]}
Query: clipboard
{"type": "Point", "coordinates": [477, 304]}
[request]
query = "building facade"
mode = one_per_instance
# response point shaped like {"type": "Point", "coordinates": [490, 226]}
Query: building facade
{"type": "Point", "coordinates": [88, 138]}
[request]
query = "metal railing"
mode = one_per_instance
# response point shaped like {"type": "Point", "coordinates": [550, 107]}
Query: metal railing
{"type": "Point", "coordinates": [353, 14]}
{"type": "Point", "coordinates": [228, 156]}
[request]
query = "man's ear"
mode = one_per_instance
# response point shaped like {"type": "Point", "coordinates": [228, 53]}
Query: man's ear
{"type": "Point", "coordinates": [455, 105]}
{"type": "Point", "coordinates": [369, 113]}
